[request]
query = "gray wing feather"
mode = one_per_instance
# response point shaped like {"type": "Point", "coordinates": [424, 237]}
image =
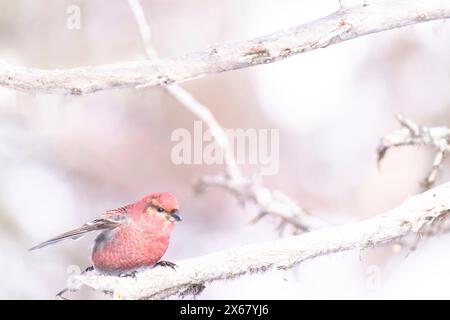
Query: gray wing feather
{"type": "Point", "coordinates": [95, 225]}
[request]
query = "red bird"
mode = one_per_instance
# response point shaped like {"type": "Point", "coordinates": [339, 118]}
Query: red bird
{"type": "Point", "coordinates": [133, 236]}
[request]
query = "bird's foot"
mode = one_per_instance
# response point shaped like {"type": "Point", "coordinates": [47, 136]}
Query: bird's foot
{"type": "Point", "coordinates": [166, 264]}
{"type": "Point", "coordinates": [131, 274]}
{"type": "Point", "coordinates": [88, 269]}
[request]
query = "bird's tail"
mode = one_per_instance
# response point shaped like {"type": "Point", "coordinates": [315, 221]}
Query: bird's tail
{"type": "Point", "coordinates": [95, 225]}
{"type": "Point", "coordinates": [72, 234]}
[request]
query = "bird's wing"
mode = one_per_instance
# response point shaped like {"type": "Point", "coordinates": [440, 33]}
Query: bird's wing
{"type": "Point", "coordinates": [110, 220]}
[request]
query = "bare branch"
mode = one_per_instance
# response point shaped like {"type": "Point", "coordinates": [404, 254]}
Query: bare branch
{"type": "Point", "coordinates": [416, 135]}
{"type": "Point", "coordinates": [268, 202]}
{"type": "Point", "coordinates": [412, 217]}
{"type": "Point", "coordinates": [144, 28]}
{"type": "Point", "coordinates": [273, 202]}
{"type": "Point", "coordinates": [342, 25]}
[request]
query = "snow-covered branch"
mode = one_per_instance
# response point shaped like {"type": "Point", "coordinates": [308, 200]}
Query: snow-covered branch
{"type": "Point", "coordinates": [415, 215]}
{"type": "Point", "coordinates": [342, 25]}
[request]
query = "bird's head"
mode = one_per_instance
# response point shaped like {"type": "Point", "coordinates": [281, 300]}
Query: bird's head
{"type": "Point", "coordinates": [162, 205]}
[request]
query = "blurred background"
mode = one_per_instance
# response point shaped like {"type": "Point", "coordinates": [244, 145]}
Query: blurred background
{"type": "Point", "coordinates": [65, 160]}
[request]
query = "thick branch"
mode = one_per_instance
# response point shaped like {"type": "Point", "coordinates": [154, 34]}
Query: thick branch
{"type": "Point", "coordinates": [413, 216]}
{"type": "Point", "coordinates": [340, 26]}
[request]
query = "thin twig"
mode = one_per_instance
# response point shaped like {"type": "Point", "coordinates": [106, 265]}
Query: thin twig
{"type": "Point", "coordinates": [413, 134]}
{"type": "Point", "coordinates": [273, 202]}
{"type": "Point", "coordinates": [184, 97]}
{"type": "Point", "coordinates": [345, 24]}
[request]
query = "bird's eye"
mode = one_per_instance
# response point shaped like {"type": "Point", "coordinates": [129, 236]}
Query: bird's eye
{"type": "Point", "coordinates": [160, 209]}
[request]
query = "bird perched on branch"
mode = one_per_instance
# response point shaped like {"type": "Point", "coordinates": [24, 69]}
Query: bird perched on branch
{"type": "Point", "coordinates": [133, 236]}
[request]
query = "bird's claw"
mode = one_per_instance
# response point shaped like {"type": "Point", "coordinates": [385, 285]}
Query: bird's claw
{"type": "Point", "coordinates": [131, 274]}
{"type": "Point", "coordinates": [166, 264]}
{"type": "Point", "coordinates": [88, 269]}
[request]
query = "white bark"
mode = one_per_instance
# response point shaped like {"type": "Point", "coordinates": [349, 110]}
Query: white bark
{"type": "Point", "coordinates": [342, 25]}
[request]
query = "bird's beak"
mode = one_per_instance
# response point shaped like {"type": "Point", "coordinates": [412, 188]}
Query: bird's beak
{"type": "Point", "coordinates": [174, 214]}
